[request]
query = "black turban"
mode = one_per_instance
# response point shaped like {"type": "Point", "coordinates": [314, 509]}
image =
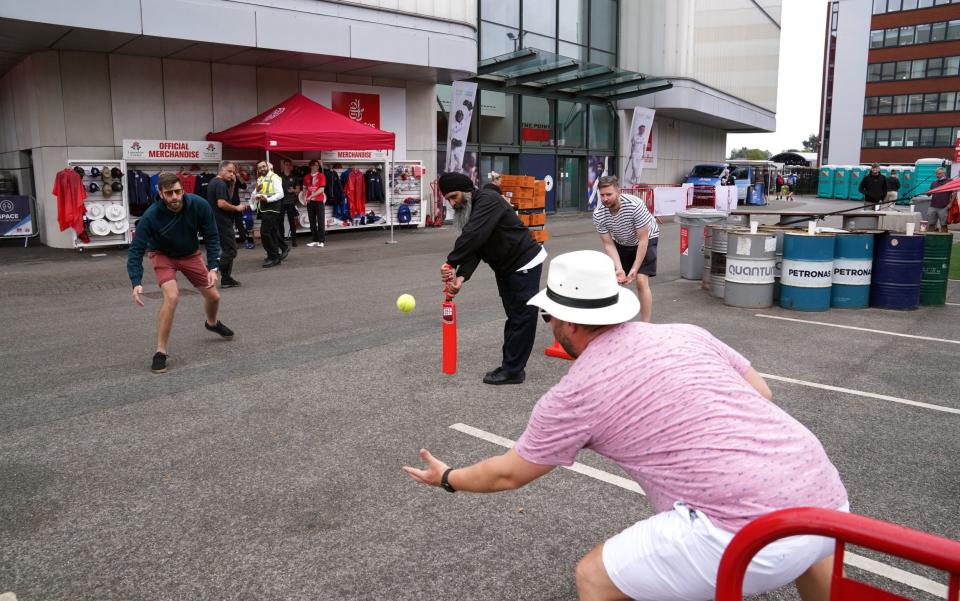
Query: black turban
{"type": "Point", "coordinates": [455, 182]}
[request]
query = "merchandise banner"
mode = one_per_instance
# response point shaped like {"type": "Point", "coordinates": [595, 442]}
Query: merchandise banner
{"type": "Point", "coordinates": [362, 108]}
{"type": "Point", "coordinates": [640, 136]}
{"type": "Point", "coordinates": [458, 127]}
{"type": "Point", "coordinates": [164, 151]}
{"type": "Point", "coordinates": [332, 156]}
{"type": "Point", "coordinates": [16, 219]}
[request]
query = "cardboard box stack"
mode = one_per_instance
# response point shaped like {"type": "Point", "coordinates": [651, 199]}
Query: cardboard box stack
{"type": "Point", "coordinates": [529, 197]}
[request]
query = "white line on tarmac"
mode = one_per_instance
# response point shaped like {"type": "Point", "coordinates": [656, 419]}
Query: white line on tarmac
{"type": "Point", "coordinates": [836, 325]}
{"type": "Point", "coordinates": [952, 304]}
{"type": "Point", "coordinates": [871, 395]}
{"type": "Point", "coordinates": [851, 559]}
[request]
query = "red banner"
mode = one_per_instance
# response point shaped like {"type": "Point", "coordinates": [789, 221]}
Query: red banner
{"type": "Point", "coordinates": [535, 134]}
{"type": "Point", "coordinates": [363, 108]}
{"type": "Point", "coordinates": [956, 151]}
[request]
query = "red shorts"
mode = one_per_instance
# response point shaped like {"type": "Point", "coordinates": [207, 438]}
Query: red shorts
{"type": "Point", "coordinates": [192, 266]}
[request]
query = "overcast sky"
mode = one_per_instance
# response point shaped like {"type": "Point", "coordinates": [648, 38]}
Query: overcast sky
{"type": "Point", "coordinates": [798, 92]}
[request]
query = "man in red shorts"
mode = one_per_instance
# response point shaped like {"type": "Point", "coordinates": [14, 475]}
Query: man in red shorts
{"type": "Point", "coordinates": [167, 232]}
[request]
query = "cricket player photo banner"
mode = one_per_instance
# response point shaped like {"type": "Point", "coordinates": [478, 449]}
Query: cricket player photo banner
{"type": "Point", "coordinates": [640, 129]}
{"type": "Point", "coordinates": [461, 112]}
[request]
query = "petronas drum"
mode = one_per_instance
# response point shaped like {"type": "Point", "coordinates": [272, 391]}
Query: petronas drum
{"type": "Point", "coordinates": [807, 271]}
{"type": "Point", "coordinates": [750, 269]}
{"type": "Point", "coordinates": [852, 269]}
{"type": "Point", "coordinates": [718, 258]}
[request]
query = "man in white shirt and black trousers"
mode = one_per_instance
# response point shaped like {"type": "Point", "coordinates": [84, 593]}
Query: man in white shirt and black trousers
{"type": "Point", "coordinates": [490, 230]}
{"type": "Point", "coordinates": [629, 234]}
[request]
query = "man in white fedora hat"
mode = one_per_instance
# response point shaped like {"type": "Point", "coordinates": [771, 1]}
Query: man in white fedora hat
{"type": "Point", "coordinates": [688, 419]}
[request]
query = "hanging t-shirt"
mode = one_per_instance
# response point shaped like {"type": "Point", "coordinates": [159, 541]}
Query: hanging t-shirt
{"type": "Point", "coordinates": [70, 193]}
{"type": "Point", "coordinates": [189, 182]}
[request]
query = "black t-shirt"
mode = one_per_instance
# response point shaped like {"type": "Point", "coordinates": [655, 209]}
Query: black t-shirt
{"type": "Point", "coordinates": [289, 181]}
{"type": "Point", "coordinates": [893, 183]}
{"type": "Point", "coordinates": [216, 190]}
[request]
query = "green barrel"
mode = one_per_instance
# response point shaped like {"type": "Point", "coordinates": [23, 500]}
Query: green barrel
{"type": "Point", "coordinates": [936, 265]}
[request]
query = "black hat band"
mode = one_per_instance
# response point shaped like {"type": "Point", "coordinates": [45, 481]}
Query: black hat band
{"type": "Point", "coordinates": [582, 303]}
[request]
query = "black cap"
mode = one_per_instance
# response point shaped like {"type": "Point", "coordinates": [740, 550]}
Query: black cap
{"type": "Point", "coordinates": [94, 172]}
{"type": "Point", "coordinates": [116, 185]}
{"type": "Point", "coordinates": [93, 187]}
{"type": "Point", "coordinates": [115, 172]}
{"type": "Point", "coordinates": [79, 170]}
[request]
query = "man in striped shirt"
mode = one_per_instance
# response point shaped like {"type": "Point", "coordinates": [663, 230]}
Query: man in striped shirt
{"type": "Point", "coordinates": [629, 234]}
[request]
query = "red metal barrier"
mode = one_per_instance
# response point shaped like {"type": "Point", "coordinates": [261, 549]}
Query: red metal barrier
{"type": "Point", "coordinates": [644, 193]}
{"type": "Point", "coordinates": [920, 547]}
{"type": "Point", "coordinates": [704, 196]}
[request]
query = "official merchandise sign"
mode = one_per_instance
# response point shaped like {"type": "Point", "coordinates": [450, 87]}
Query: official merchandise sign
{"type": "Point", "coordinates": [806, 274]}
{"type": "Point", "coordinates": [165, 151]}
{"type": "Point", "coordinates": [852, 272]}
{"type": "Point", "coordinates": [741, 271]}
{"type": "Point", "coordinates": [16, 218]}
{"type": "Point", "coordinates": [332, 156]}
{"type": "Point", "coordinates": [362, 108]}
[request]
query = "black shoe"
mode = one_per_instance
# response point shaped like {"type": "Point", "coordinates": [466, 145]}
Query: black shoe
{"type": "Point", "coordinates": [271, 263]}
{"type": "Point", "coordinates": [229, 283]}
{"type": "Point", "coordinates": [493, 372]}
{"type": "Point", "coordinates": [505, 377]}
{"type": "Point", "coordinates": [284, 254]}
{"type": "Point", "coordinates": [159, 365]}
{"type": "Point", "coordinates": [293, 242]}
{"type": "Point", "coordinates": [219, 329]}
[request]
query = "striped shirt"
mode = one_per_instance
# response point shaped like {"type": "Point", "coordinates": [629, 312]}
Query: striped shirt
{"type": "Point", "coordinates": [632, 216]}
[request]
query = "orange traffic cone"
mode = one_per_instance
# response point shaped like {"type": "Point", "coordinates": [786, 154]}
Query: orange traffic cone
{"type": "Point", "coordinates": [557, 351]}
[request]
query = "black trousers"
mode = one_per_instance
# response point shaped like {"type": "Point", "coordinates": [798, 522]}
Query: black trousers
{"type": "Point", "coordinates": [228, 247]}
{"type": "Point", "coordinates": [270, 235]}
{"type": "Point", "coordinates": [241, 227]}
{"type": "Point", "coordinates": [318, 221]}
{"type": "Point", "coordinates": [520, 329]}
{"type": "Point", "coordinates": [291, 212]}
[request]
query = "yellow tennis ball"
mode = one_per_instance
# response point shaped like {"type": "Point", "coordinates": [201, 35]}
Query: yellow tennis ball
{"type": "Point", "coordinates": [406, 303]}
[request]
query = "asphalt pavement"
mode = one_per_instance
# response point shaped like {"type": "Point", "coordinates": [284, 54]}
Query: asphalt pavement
{"type": "Point", "coordinates": [269, 466]}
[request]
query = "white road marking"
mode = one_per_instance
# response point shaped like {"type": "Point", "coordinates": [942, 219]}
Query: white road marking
{"type": "Point", "coordinates": [871, 395]}
{"type": "Point", "coordinates": [851, 559]}
{"type": "Point", "coordinates": [952, 304]}
{"type": "Point", "coordinates": [836, 325]}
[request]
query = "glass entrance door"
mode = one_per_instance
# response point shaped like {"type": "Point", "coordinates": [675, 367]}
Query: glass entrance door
{"type": "Point", "coordinates": [571, 191]}
{"type": "Point", "coordinates": [494, 162]}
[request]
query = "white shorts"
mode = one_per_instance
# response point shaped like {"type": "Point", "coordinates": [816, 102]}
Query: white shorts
{"type": "Point", "coordinates": [675, 556]}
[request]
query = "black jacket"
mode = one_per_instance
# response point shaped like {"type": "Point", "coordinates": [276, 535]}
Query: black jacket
{"type": "Point", "coordinates": [873, 187]}
{"type": "Point", "coordinates": [494, 234]}
{"type": "Point", "coordinates": [893, 183]}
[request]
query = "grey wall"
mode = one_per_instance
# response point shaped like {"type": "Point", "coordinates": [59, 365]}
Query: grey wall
{"type": "Point", "coordinates": [849, 82]}
{"type": "Point", "coordinates": [680, 146]}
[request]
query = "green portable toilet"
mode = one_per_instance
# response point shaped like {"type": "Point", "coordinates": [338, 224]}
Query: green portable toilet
{"type": "Point", "coordinates": [924, 174]}
{"type": "Point", "coordinates": [853, 180]}
{"type": "Point", "coordinates": [825, 182]}
{"type": "Point", "coordinates": [841, 182]}
{"type": "Point", "coordinates": [905, 173]}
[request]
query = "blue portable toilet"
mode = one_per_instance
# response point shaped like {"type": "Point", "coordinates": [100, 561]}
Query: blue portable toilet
{"type": "Point", "coordinates": [905, 172]}
{"type": "Point", "coordinates": [825, 182]}
{"type": "Point", "coordinates": [924, 174]}
{"type": "Point", "coordinates": [841, 183]}
{"type": "Point", "coordinates": [853, 180]}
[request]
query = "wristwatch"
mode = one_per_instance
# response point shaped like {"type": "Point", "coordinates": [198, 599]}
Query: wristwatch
{"type": "Point", "coordinates": [446, 483]}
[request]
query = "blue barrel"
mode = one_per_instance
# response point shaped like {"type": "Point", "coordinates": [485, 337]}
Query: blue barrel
{"type": "Point", "coordinates": [897, 270]}
{"type": "Point", "coordinates": [807, 271]}
{"type": "Point", "coordinates": [852, 267]}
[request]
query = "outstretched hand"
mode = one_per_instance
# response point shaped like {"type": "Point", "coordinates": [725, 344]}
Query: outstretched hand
{"type": "Point", "coordinates": [432, 474]}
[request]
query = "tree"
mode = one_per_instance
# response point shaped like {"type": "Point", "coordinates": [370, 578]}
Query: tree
{"type": "Point", "coordinates": [753, 154]}
{"type": "Point", "coordinates": [812, 143]}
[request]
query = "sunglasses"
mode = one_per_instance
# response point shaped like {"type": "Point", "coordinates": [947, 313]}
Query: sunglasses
{"type": "Point", "coordinates": [545, 316]}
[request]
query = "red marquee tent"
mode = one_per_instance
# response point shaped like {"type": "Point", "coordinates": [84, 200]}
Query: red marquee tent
{"type": "Point", "coordinates": [299, 123]}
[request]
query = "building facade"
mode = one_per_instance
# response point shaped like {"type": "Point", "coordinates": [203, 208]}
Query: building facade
{"type": "Point", "coordinates": [891, 81]}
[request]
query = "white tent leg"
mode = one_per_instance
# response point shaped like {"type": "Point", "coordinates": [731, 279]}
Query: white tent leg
{"type": "Point", "coordinates": [389, 191]}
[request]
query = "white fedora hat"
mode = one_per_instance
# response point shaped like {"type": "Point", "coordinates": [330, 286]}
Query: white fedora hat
{"type": "Point", "coordinates": [582, 288]}
{"type": "Point", "coordinates": [116, 212]}
{"type": "Point", "coordinates": [100, 227]}
{"type": "Point", "coordinates": [118, 227]}
{"type": "Point", "coordinates": [95, 210]}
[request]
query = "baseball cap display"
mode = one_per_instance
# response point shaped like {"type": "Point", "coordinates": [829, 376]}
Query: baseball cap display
{"type": "Point", "coordinates": [106, 177]}
{"type": "Point", "coordinates": [106, 190]}
{"type": "Point", "coordinates": [95, 210]}
{"type": "Point", "coordinates": [117, 186]}
{"type": "Point", "coordinates": [94, 172]}
{"type": "Point", "coordinates": [79, 170]}
{"type": "Point", "coordinates": [116, 212]}
{"type": "Point", "coordinates": [99, 227]}
{"type": "Point", "coordinates": [116, 173]}
{"type": "Point", "coordinates": [93, 187]}
{"type": "Point", "coordinates": [119, 227]}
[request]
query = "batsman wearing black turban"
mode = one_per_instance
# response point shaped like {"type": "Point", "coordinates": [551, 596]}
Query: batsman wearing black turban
{"type": "Point", "coordinates": [491, 231]}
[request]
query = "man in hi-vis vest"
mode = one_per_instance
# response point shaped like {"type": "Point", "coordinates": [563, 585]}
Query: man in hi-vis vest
{"type": "Point", "coordinates": [268, 197]}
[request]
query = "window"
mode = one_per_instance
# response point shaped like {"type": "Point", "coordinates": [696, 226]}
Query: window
{"type": "Point", "coordinates": [573, 51]}
{"type": "Point", "coordinates": [923, 34]}
{"type": "Point", "coordinates": [925, 4]}
{"type": "Point", "coordinates": [876, 38]}
{"type": "Point", "coordinates": [915, 103]}
{"type": "Point", "coordinates": [602, 58]}
{"type": "Point", "coordinates": [505, 12]}
{"type": "Point", "coordinates": [951, 66]}
{"type": "Point", "coordinates": [947, 101]}
{"type": "Point", "coordinates": [886, 105]}
{"type": "Point", "coordinates": [896, 138]}
{"type": "Point", "coordinates": [911, 137]}
{"type": "Point", "coordinates": [870, 106]}
{"type": "Point", "coordinates": [603, 25]}
{"type": "Point", "coordinates": [903, 70]}
{"type": "Point", "coordinates": [900, 104]}
{"type": "Point", "coordinates": [879, 7]}
{"type": "Point", "coordinates": [893, 6]}
{"type": "Point", "coordinates": [906, 35]}
{"type": "Point", "coordinates": [536, 122]}
{"type": "Point", "coordinates": [869, 138]}
{"type": "Point", "coordinates": [943, 137]}
{"type": "Point", "coordinates": [883, 138]}
{"type": "Point", "coordinates": [890, 37]}
{"type": "Point", "coordinates": [930, 103]}
{"type": "Point", "coordinates": [873, 72]}
{"type": "Point", "coordinates": [494, 40]}
{"type": "Point", "coordinates": [532, 40]}
{"type": "Point", "coordinates": [909, 4]}
{"type": "Point", "coordinates": [570, 123]}
{"type": "Point", "coordinates": [918, 69]}
{"type": "Point", "coordinates": [938, 32]}
{"type": "Point", "coordinates": [887, 71]}
{"type": "Point", "coordinates": [934, 67]}
{"type": "Point", "coordinates": [927, 135]}
{"type": "Point", "coordinates": [498, 118]}
{"type": "Point", "coordinates": [573, 20]}
{"type": "Point", "coordinates": [953, 30]}
{"type": "Point", "coordinates": [601, 127]}
{"type": "Point", "coordinates": [540, 16]}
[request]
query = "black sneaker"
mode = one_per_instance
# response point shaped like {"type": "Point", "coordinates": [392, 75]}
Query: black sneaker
{"type": "Point", "coordinates": [493, 372]}
{"type": "Point", "coordinates": [505, 377]}
{"type": "Point", "coordinates": [219, 329]}
{"type": "Point", "coordinates": [271, 263]}
{"type": "Point", "coordinates": [284, 254]}
{"type": "Point", "coordinates": [159, 365]}
{"type": "Point", "coordinates": [229, 283]}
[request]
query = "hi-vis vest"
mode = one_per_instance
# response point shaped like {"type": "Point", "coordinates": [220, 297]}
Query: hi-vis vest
{"type": "Point", "coordinates": [265, 187]}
